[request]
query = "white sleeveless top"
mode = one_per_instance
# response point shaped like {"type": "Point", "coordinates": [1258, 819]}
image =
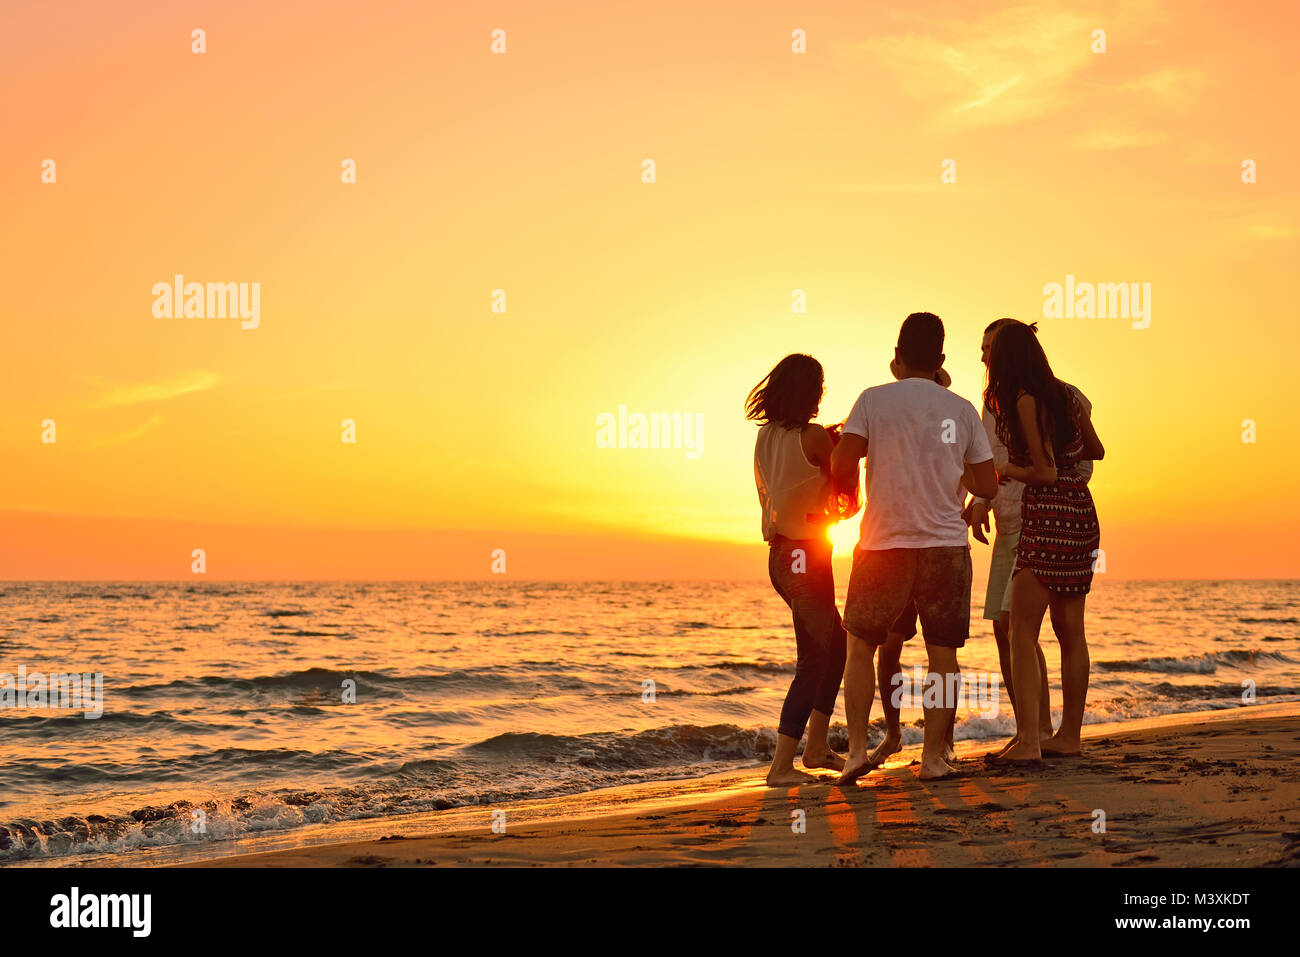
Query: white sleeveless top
{"type": "Point", "coordinates": [791, 490]}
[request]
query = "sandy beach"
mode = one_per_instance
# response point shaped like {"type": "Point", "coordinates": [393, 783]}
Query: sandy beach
{"type": "Point", "coordinates": [1212, 790]}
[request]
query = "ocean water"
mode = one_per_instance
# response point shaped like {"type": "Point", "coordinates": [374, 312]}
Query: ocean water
{"type": "Point", "coordinates": [234, 709]}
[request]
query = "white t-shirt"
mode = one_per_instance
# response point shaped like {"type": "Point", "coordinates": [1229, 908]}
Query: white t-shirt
{"type": "Point", "coordinates": [1006, 504]}
{"type": "Point", "coordinates": [919, 438]}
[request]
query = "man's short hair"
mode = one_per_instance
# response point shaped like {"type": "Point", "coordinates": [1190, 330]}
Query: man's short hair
{"type": "Point", "coordinates": [920, 341]}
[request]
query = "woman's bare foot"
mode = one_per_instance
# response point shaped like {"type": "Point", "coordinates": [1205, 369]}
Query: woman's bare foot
{"type": "Point", "coordinates": [788, 779]}
{"type": "Point", "coordinates": [949, 753]}
{"type": "Point", "coordinates": [822, 759]}
{"type": "Point", "coordinates": [886, 748]}
{"type": "Point", "coordinates": [934, 768]}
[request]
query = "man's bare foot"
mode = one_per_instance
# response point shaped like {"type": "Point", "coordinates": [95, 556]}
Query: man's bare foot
{"type": "Point", "coordinates": [823, 759]}
{"type": "Point", "coordinates": [788, 779]}
{"type": "Point", "coordinates": [949, 753]}
{"type": "Point", "coordinates": [1005, 748]}
{"type": "Point", "coordinates": [934, 768]}
{"type": "Point", "coordinates": [886, 748]}
{"type": "Point", "coordinates": [1058, 747]}
{"type": "Point", "coordinates": [1020, 753]}
{"type": "Point", "coordinates": [855, 768]}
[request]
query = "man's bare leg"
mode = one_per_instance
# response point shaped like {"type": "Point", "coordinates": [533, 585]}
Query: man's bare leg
{"type": "Point", "coordinates": [859, 694]}
{"type": "Point", "coordinates": [817, 751]}
{"type": "Point", "coordinates": [938, 720]}
{"type": "Point", "coordinates": [1002, 637]}
{"type": "Point", "coordinates": [949, 749]}
{"type": "Point", "coordinates": [1029, 600]}
{"type": "Point", "coordinates": [1044, 698]}
{"type": "Point", "coordinates": [889, 675]}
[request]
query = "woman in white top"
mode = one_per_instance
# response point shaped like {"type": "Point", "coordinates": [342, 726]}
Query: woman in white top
{"type": "Point", "coordinates": [792, 471]}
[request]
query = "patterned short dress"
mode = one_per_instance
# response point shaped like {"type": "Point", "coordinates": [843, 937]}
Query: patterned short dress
{"type": "Point", "coordinates": [1059, 533]}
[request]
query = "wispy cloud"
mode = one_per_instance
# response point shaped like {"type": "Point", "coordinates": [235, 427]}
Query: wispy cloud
{"type": "Point", "coordinates": [1004, 68]}
{"type": "Point", "coordinates": [1149, 99]}
{"type": "Point", "coordinates": [1173, 87]}
{"type": "Point", "coordinates": [129, 435]}
{"type": "Point", "coordinates": [1270, 231]}
{"type": "Point", "coordinates": [991, 94]}
{"type": "Point", "coordinates": [1026, 62]}
{"type": "Point", "coordinates": [1114, 138]}
{"type": "Point", "coordinates": [136, 392]}
{"type": "Point", "coordinates": [887, 187]}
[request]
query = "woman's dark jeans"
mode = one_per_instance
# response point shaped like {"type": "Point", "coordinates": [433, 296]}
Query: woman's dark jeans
{"type": "Point", "coordinates": [808, 587]}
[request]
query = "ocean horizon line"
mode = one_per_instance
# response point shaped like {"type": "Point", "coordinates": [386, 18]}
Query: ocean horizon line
{"type": "Point", "coordinates": [529, 581]}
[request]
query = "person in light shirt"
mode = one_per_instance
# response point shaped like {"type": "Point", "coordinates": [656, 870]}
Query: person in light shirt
{"type": "Point", "coordinates": [792, 457]}
{"type": "Point", "coordinates": [925, 448]}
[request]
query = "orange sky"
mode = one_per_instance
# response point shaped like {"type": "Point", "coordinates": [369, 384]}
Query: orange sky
{"type": "Point", "coordinates": [522, 172]}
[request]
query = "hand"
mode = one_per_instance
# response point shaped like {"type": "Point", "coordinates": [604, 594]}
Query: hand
{"type": "Point", "coordinates": [893, 369]}
{"type": "Point", "coordinates": [943, 378]}
{"type": "Point", "coordinates": [976, 515]}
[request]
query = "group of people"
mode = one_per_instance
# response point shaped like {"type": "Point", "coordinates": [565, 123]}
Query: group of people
{"type": "Point", "coordinates": [935, 469]}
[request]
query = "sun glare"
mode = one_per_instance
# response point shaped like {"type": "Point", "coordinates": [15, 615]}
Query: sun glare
{"type": "Point", "coordinates": [844, 535]}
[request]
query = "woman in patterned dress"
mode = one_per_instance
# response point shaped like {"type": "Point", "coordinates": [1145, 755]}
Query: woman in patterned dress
{"type": "Point", "coordinates": [1048, 433]}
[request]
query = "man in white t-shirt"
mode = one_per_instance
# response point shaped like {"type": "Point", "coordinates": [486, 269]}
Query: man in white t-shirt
{"type": "Point", "coordinates": [925, 449]}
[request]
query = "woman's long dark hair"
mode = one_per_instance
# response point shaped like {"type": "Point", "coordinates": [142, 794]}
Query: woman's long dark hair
{"type": "Point", "coordinates": [789, 395]}
{"type": "Point", "coordinates": [1018, 365]}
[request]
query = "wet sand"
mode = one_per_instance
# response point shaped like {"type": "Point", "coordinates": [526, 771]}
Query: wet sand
{"type": "Point", "coordinates": [1209, 790]}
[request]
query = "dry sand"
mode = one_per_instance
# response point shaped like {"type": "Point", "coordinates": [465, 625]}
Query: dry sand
{"type": "Point", "coordinates": [1211, 790]}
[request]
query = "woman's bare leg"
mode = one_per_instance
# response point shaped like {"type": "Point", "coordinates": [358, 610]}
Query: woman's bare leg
{"type": "Point", "coordinates": [782, 773]}
{"type": "Point", "coordinates": [1067, 621]}
{"type": "Point", "coordinates": [817, 751]}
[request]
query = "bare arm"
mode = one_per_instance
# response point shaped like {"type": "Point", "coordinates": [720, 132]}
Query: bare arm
{"type": "Point", "coordinates": [816, 442]}
{"type": "Point", "coordinates": [844, 462]}
{"type": "Point", "coordinates": [1042, 471]}
{"type": "Point", "coordinates": [1092, 447]}
{"type": "Point", "coordinates": [976, 515]}
{"type": "Point", "coordinates": [989, 424]}
{"type": "Point", "coordinates": [940, 376]}
{"type": "Point", "coordinates": [980, 479]}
